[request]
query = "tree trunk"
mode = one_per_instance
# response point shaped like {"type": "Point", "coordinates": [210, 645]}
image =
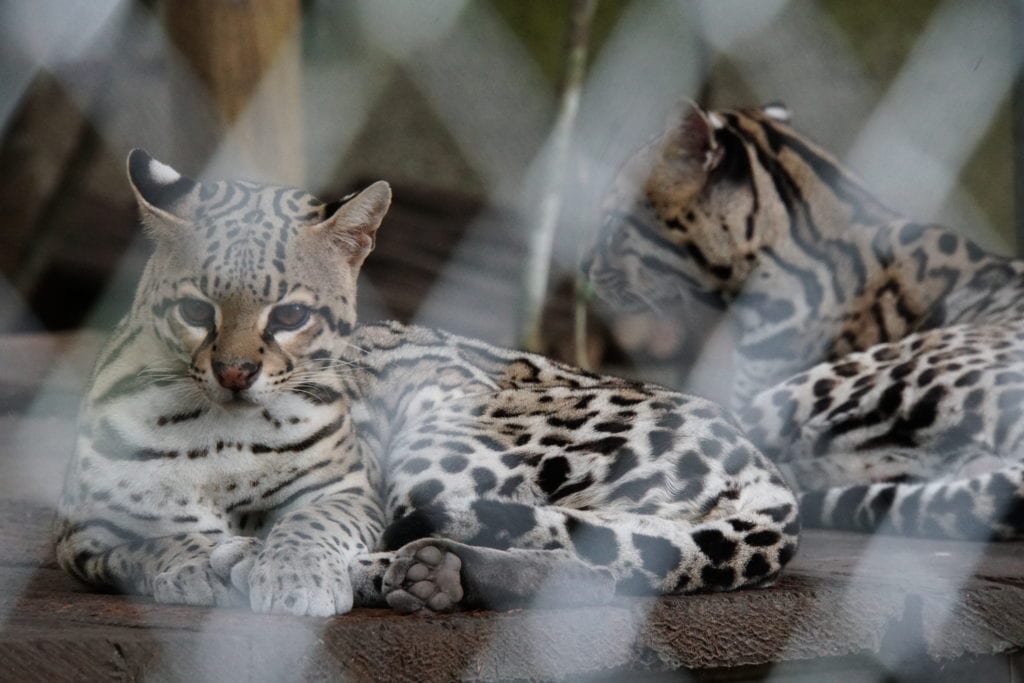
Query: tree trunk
{"type": "Point", "coordinates": [538, 265]}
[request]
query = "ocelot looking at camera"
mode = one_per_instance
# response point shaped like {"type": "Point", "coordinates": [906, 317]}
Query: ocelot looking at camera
{"type": "Point", "coordinates": [245, 441]}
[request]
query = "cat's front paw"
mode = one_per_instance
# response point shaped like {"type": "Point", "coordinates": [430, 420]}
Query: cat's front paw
{"type": "Point", "coordinates": [233, 559]}
{"type": "Point", "coordinates": [293, 582]}
{"type": "Point", "coordinates": [195, 583]}
{"type": "Point", "coordinates": [424, 577]}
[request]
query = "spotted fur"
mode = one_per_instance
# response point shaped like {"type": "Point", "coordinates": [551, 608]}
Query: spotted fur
{"type": "Point", "coordinates": [245, 441]}
{"type": "Point", "coordinates": [879, 361]}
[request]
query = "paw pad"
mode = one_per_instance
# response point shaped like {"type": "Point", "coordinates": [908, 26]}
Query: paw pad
{"type": "Point", "coordinates": [427, 580]}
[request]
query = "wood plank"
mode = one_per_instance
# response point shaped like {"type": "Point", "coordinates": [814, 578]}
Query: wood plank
{"type": "Point", "coordinates": [54, 653]}
{"type": "Point", "coordinates": [809, 614]}
{"type": "Point", "coordinates": [797, 620]}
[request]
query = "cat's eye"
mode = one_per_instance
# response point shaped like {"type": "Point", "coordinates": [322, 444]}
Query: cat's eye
{"type": "Point", "coordinates": [287, 317]}
{"type": "Point", "coordinates": [196, 312]}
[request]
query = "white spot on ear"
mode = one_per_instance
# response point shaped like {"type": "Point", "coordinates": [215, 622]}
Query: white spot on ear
{"type": "Point", "coordinates": [162, 173]}
{"type": "Point", "coordinates": [779, 112]}
{"type": "Point", "coordinates": [716, 120]}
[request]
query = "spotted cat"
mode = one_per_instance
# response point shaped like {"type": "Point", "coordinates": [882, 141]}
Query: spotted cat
{"type": "Point", "coordinates": [879, 361]}
{"type": "Point", "coordinates": [244, 441]}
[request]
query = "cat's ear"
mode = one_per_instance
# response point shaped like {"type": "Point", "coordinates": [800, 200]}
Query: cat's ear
{"type": "Point", "coordinates": [165, 197]}
{"type": "Point", "coordinates": [352, 222]}
{"type": "Point", "coordinates": [689, 136]}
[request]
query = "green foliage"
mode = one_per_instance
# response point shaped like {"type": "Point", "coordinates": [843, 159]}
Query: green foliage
{"type": "Point", "coordinates": [542, 26]}
{"type": "Point", "coordinates": [881, 32]}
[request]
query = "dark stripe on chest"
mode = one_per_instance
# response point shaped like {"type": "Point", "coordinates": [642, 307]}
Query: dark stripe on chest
{"type": "Point", "coordinates": [315, 393]}
{"type": "Point", "coordinates": [110, 444]}
{"type": "Point", "coordinates": [302, 445]}
{"type": "Point", "coordinates": [294, 478]}
{"type": "Point", "coordinates": [179, 417]}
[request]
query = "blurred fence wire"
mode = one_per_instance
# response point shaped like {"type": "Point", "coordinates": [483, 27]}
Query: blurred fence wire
{"type": "Point", "coordinates": [450, 98]}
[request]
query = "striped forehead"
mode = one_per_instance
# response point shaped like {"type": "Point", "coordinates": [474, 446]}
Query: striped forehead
{"type": "Point", "coordinates": [251, 289]}
{"type": "Point", "coordinates": [244, 230]}
{"type": "Point", "coordinates": [237, 199]}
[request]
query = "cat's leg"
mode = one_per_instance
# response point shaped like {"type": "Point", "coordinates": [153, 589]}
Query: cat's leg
{"type": "Point", "coordinates": [172, 569]}
{"type": "Point", "coordinates": [439, 575]}
{"type": "Point", "coordinates": [640, 553]}
{"type": "Point", "coordinates": [888, 465]}
{"type": "Point", "coordinates": [982, 507]}
{"type": "Point", "coordinates": [932, 394]}
{"type": "Point", "coordinates": [436, 574]}
{"type": "Point", "coordinates": [304, 565]}
{"type": "Point", "coordinates": [233, 559]}
{"type": "Point", "coordinates": [844, 469]}
{"type": "Point", "coordinates": [919, 436]}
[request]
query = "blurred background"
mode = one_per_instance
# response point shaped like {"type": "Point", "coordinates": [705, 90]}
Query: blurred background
{"type": "Point", "coordinates": [499, 124]}
{"type": "Point", "coordinates": [461, 106]}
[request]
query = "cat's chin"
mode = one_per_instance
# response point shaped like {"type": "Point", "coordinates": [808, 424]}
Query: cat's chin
{"type": "Point", "coordinates": [236, 402]}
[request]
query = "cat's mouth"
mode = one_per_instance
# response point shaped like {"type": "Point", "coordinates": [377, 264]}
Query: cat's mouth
{"type": "Point", "coordinates": [239, 399]}
{"type": "Point", "coordinates": [235, 400]}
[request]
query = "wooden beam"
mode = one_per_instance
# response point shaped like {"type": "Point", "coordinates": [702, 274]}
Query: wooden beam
{"type": "Point", "coordinates": [247, 55]}
{"type": "Point", "coordinates": [38, 163]}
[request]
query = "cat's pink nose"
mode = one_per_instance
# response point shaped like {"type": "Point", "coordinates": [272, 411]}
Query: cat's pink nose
{"type": "Point", "coordinates": [236, 375]}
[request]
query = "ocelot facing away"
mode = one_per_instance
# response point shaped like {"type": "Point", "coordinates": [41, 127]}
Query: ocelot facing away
{"type": "Point", "coordinates": [244, 441]}
{"type": "Point", "coordinates": [879, 362]}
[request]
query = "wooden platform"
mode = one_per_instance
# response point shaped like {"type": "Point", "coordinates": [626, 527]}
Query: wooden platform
{"type": "Point", "coordinates": [849, 607]}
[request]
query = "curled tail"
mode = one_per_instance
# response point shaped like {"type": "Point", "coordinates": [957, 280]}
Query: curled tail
{"type": "Point", "coordinates": [989, 506]}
